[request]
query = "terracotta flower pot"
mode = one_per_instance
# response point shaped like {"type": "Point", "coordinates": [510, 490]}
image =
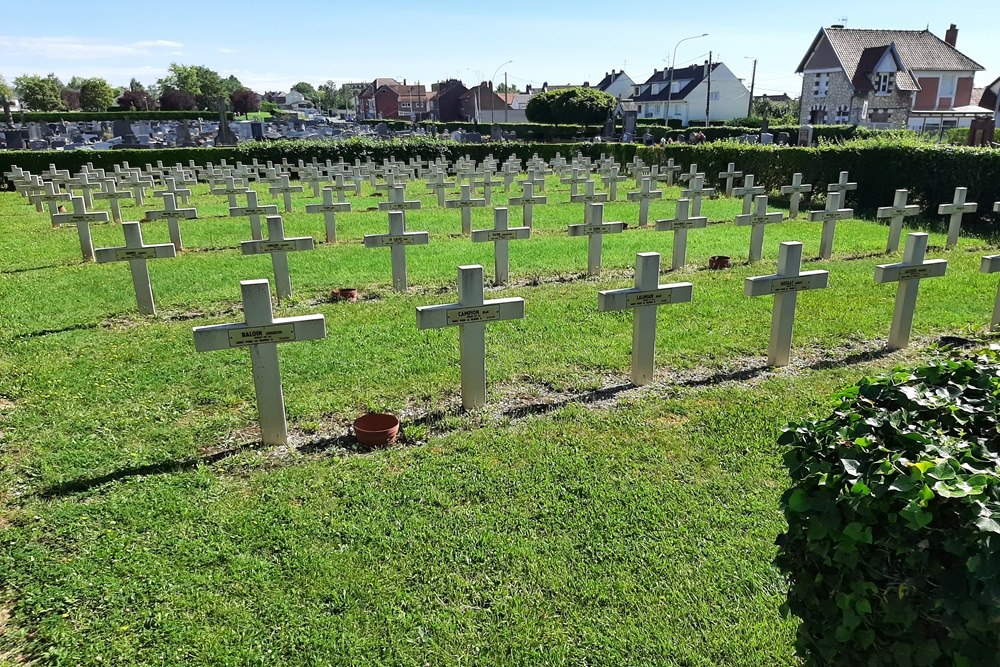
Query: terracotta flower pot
{"type": "Point", "coordinates": [349, 294]}
{"type": "Point", "coordinates": [717, 262]}
{"type": "Point", "coordinates": [376, 430]}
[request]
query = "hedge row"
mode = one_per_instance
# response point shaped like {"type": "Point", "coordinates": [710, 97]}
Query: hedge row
{"type": "Point", "coordinates": [931, 172]}
{"type": "Point", "coordinates": [78, 116]}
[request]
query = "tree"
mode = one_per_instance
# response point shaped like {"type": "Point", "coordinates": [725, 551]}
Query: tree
{"type": "Point", "coordinates": [173, 99]}
{"type": "Point", "coordinates": [581, 106]}
{"type": "Point", "coordinates": [138, 100]}
{"type": "Point", "coordinates": [135, 86]}
{"type": "Point", "coordinates": [202, 83]}
{"type": "Point", "coordinates": [96, 94]}
{"type": "Point", "coordinates": [307, 90]}
{"type": "Point", "coordinates": [40, 93]}
{"type": "Point", "coordinates": [6, 92]}
{"type": "Point", "coordinates": [70, 99]}
{"type": "Point", "coordinates": [245, 101]}
{"type": "Point", "coordinates": [507, 88]}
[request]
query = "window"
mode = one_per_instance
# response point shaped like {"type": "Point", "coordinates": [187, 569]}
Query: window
{"type": "Point", "coordinates": [821, 84]}
{"type": "Point", "coordinates": [714, 96]}
{"type": "Point", "coordinates": [880, 115]}
{"type": "Point", "coordinates": [843, 114]}
{"type": "Point", "coordinates": [817, 114]}
{"type": "Point", "coordinates": [884, 82]}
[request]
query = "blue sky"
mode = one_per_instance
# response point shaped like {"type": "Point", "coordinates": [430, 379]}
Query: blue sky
{"type": "Point", "coordinates": [271, 47]}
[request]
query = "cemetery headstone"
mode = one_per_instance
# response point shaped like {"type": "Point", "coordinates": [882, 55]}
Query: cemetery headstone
{"type": "Point", "coordinates": [595, 230]}
{"type": "Point", "coordinates": [397, 240]}
{"type": "Point", "coordinates": [500, 236]}
{"type": "Point", "coordinates": [82, 219]}
{"type": "Point", "coordinates": [896, 214]}
{"type": "Point", "coordinates": [830, 217]}
{"type": "Point", "coordinates": [329, 209]}
{"type": "Point", "coordinates": [955, 211]}
{"type": "Point", "coordinates": [136, 253]}
{"type": "Point", "coordinates": [908, 274]}
{"type": "Point", "coordinates": [756, 222]}
{"type": "Point", "coordinates": [173, 216]}
{"type": "Point", "coordinates": [680, 226]}
{"type": "Point", "coordinates": [278, 246]}
{"type": "Point", "coordinates": [795, 192]}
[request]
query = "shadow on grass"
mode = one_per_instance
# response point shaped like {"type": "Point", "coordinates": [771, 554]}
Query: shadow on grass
{"type": "Point", "coordinates": [49, 332]}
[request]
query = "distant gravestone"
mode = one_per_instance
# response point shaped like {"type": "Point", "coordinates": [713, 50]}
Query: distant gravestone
{"type": "Point", "coordinates": [225, 137]}
{"type": "Point", "coordinates": [806, 135]}
{"type": "Point", "coordinates": [123, 128]}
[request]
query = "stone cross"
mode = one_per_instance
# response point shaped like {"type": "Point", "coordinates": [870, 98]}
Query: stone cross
{"type": "Point", "coordinates": [82, 219]}
{"type": "Point", "coordinates": [896, 213]}
{"type": "Point", "coordinates": [575, 179]}
{"type": "Point", "coordinates": [261, 332]}
{"type": "Point", "coordinates": [466, 202]}
{"type": "Point", "coordinates": [785, 286]}
{"type": "Point", "coordinates": [437, 184]}
{"type": "Point", "coordinates": [231, 189]}
{"type": "Point", "coordinates": [956, 210]}
{"type": "Point", "coordinates": [113, 195]}
{"type": "Point", "coordinates": [647, 295]}
{"type": "Point", "coordinates": [794, 192]}
{"type": "Point", "coordinates": [669, 170]}
{"type": "Point", "coordinates": [398, 202]}
{"type": "Point", "coordinates": [135, 252]}
{"type": "Point", "coordinates": [536, 177]}
{"type": "Point", "coordinates": [692, 173]}
{"type": "Point", "coordinates": [138, 184]}
{"type": "Point", "coordinates": [611, 182]}
{"type": "Point", "coordinates": [500, 236]}
{"type": "Point", "coordinates": [329, 209]}
{"type": "Point", "coordinates": [695, 192]}
{"type": "Point", "coordinates": [511, 168]}
{"type": "Point", "coordinates": [829, 218]}
{"type": "Point", "coordinates": [83, 184]}
{"type": "Point", "coordinates": [748, 192]}
{"type": "Point", "coordinates": [314, 180]}
{"type": "Point", "coordinates": [52, 197]}
{"type": "Point", "coordinates": [595, 230]}
{"type": "Point", "coordinates": [278, 246]}
{"type": "Point", "coordinates": [170, 186]}
{"type": "Point", "coordinates": [991, 264]}
{"type": "Point", "coordinates": [172, 215]}
{"type": "Point", "coordinates": [636, 168]}
{"type": "Point", "coordinates": [588, 197]}
{"type": "Point", "coordinates": [527, 201]}
{"type": "Point", "coordinates": [680, 226]}
{"type": "Point", "coordinates": [397, 241]}
{"type": "Point", "coordinates": [488, 182]}
{"type": "Point", "coordinates": [285, 189]}
{"type": "Point", "coordinates": [643, 196]}
{"type": "Point", "coordinates": [908, 274]}
{"type": "Point", "coordinates": [756, 221]}
{"type": "Point", "coordinates": [728, 175]}
{"type": "Point", "coordinates": [470, 315]}
{"type": "Point", "coordinates": [254, 210]}
{"type": "Point", "coordinates": [340, 187]}
{"type": "Point", "coordinates": [842, 186]}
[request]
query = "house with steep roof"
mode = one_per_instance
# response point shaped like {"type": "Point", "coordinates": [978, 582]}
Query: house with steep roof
{"type": "Point", "coordinates": [887, 79]}
{"type": "Point", "coordinates": [366, 98]}
{"type": "Point", "coordinates": [695, 91]}
{"type": "Point", "coordinates": [618, 84]}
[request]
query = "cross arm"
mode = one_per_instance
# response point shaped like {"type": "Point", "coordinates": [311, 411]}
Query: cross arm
{"type": "Point", "coordinates": [511, 234]}
{"type": "Point", "coordinates": [624, 299]}
{"type": "Point", "coordinates": [453, 314]}
{"type": "Point", "coordinates": [284, 245]}
{"type": "Point", "coordinates": [282, 330]}
{"type": "Point", "coordinates": [160, 251]}
{"type": "Point", "coordinates": [890, 273]}
{"type": "Point", "coordinates": [775, 284]}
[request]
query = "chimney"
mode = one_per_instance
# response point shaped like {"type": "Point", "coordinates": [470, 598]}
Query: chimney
{"type": "Point", "coordinates": [404, 82]}
{"type": "Point", "coordinates": [951, 36]}
{"type": "Point", "coordinates": [586, 84]}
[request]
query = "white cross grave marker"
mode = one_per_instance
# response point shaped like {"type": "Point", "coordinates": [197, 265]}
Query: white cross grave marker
{"type": "Point", "coordinates": [588, 197]}
{"type": "Point", "coordinates": [611, 182]}
{"type": "Point", "coordinates": [466, 202]}
{"type": "Point", "coordinates": [398, 202]}
{"type": "Point", "coordinates": [643, 196]}
{"type": "Point", "coordinates": [795, 192]}
{"type": "Point", "coordinates": [254, 211]}
{"type": "Point", "coordinates": [470, 315]}
{"type": "Point", "coordinates": [908, 274]}
{"type": "Point", "coordinates": [261, 332]}
{"type": "Point", "coordinates": [680, 226]}
{"type": "Point", "coordinates": [527, 201]}
{"type": "Point", "coordinates": [842, 186]}
{"type": "Point", "coordinates": [500, 236]}
{"type": "Point", "coordinates": [113, 195]}
{"type": "Point", "coordinates": [595, 230]}
{"type": "Point", "coordinates": [748, 192]}
{"type": "Point", "coordinates": [438, 183]}
{"type": "Point", "coordinates": [170, 186]}
{"type": "Point", "coordinates": [829, 217]}
{"type": "Point", "coordinates": [285, 189]}
{"type": "Point", "coordinates": [575, 178]}
{"type": "Point", "coordinates": [278, 246]}
{"type": "Point", "coordinates": [172, 215]}
{"type": "Point", "coordinates": [52, 196]}
{"type": "Point", "coordinates": [696, 191]}
{"type": "Point", "coordinates": [397, 241]}
{"type": "Point", "coordinates": [231, 189]}
{"type": "Point", "coordinates": [729, 174]}
{"type": "Point", "coordinates": [991, 264]}
{"type": "Point", "coordinates": [756, 222]}
{"type": "Point", "coordinates": [329, 209]}
{"type": "Point", "coordinates": [135, 252]}
{"type": "Point", "coordinates": [82, 219]}
{"type": "Point", "coordinates": [896, 213]}
{"type": "Point", "coordinates": [956, 210]}
{"type": "Point", "coordinates": [785, 285]}
{"type": "Point", "coordinates": [647, 295]}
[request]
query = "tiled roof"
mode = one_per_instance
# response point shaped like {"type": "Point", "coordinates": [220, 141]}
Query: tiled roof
{"type": "Point", "coordinates": [862, 78]}
{"type": "Point", "coordinates": [693, 74]}
{"type": "Point", "coordinates": [918, 49]}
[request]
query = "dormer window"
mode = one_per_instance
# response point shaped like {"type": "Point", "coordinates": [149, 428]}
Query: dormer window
{"type": "Point", "coordinates": [884, 82]}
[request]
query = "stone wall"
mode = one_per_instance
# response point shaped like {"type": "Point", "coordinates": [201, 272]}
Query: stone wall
{"type": "Point", "coordinates": [840, 105]}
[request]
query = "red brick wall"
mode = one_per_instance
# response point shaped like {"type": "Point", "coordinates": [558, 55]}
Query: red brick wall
{"type": "Point", "coordinates": [963, 94]}
{"type": "Point", "coordinates": [387, 103]}
{"type": "Point", "coordinates": [927, 95]}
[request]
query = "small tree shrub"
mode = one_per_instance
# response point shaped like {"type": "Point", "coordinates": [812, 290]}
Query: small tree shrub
{"type": "Point", "coordinates": [893, 544]}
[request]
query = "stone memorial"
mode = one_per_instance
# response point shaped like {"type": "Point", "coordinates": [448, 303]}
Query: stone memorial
{"type": "Point", "coordinates": [728, 175]}
{"type": "Point", "coordinates": [500, 236]}
{"type": "Point", "coordinates": [527, 201]}
{"type": "Point", "coordinates": [991, 264]}
{"type": "Point", "coordinates": [136, 253]}
{"type": "Point", "coordinates": [397, 240]}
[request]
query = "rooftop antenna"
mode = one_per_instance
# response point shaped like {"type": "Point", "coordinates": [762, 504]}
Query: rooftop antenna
{"type": "Point", "coordinates": [843, 20]}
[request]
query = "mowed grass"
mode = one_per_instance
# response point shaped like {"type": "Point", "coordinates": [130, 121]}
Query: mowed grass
{"type": "Point", "coordinates": [573, 521]}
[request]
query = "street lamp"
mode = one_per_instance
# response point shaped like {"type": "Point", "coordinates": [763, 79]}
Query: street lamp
{"type": "Point", "coordinates": [673, 66]}
{"type": "Point", "coordinates": [493, 102]}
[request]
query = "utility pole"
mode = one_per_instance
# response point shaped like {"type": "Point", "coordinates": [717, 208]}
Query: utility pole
{"type": "Point", "coordinates": [506, 105]}
{"type": "Point", "coordinates": [708, 93]}
{"type": "Point", "coordinates": [753, 78]}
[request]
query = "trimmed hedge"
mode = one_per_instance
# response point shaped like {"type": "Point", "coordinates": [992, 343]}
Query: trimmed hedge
{"type": "Point", "coordinates": [893, 543]}
{"type": "Point", "coordinates": [76, 116]}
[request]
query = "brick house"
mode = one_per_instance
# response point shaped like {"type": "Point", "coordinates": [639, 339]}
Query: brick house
{"type": "Point", "coordinates": [483, 99]}
{"type": "Point", "coordinates": [367, 107]}
{"type": "Point", "coordinates": [887, 79]}
{"type": "Point", "coordinates": [395, 101]}
{"type": "Point", "coordinates": [446, 100]}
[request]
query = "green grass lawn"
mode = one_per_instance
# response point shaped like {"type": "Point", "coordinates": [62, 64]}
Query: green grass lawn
{"type": "Point", "coordinates": [576, 520]}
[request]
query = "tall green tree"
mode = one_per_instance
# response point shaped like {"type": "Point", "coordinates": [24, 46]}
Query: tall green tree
{"type": "Point", "coordinates": [580, 106]}
{"type": "Point", "coordinates": [245, 101]}
{"type": "Point", "coordinates": [202, 83]}
{"type": "Point", "coordinates": [40, 93]}
{"type": "Point", "coordinates": [307, 91]}
{"type": "Point", "coordinates": [96, 94]}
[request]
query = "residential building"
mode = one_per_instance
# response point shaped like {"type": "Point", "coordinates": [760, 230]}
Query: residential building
{"type": "Point", "coordinates": [887, 79]}
{"type": "Point", "coordinates": [366, 98]}
{"type": "Point", "coordinates": [618, 84]}
{"type": "Point", "coordinates": [483, 104]}
{"type": "Point", "coordinates": [446, 99]}
{"type": "Point", "coordinates": [696, 90]}
{"type": "Point", "coordinates": [293, 100]}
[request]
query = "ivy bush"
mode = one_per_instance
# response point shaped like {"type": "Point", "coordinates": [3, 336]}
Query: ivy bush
{"type": "Point", "coordinates": [893, 545]}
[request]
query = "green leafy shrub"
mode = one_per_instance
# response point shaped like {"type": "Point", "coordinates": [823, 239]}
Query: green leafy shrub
{"type": "Point", "coordinates": [893, 544]}
{"type": "Point", "coordinates": [578, 105]}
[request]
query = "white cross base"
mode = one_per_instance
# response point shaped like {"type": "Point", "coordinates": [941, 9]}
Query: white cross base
{"type": "Point", "coordinates": [644, 298]}
{"type": "Point", "coordinates": [500, 236]}
{"type": "Point", "coordinates": [908, 274]}
{"type": "Point", "coordinates": [785, 285]}
{"type": "Point", "coordinates": [261, 332]}
{"type": "Point", "coordinates": [278, 246]}
{"type": "Point", "coordinates": [991, 264]}
{"type": "Point", "coordinates": [135, 252]}
{"type": "Point", "coordinates": [470, 315]}
{"type": "Point", "coordinates": [397, 240]}
{"type": "Point", "coordinates": [595, 231]}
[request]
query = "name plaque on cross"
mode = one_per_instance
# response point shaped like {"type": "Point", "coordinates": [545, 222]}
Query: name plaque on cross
{"type": "Point", "coordinates": [123, 254]}
{"type": "Point", "coordinates": [384, 240]}
{"type": "Point", "coordinates": [276, 333]}
{"type": "Point", "coordinates": [472, 315]}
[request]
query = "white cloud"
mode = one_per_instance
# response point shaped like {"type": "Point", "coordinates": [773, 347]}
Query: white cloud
{"type": "Point", "coordinates": [65, 48]}
{"type": "Point", "coordinates": [227, 50]}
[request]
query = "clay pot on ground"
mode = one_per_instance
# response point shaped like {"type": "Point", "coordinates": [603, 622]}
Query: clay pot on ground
{"type": "Point", "coordinates": [376, 429]}
{"type": "Point", "coordinates": [717, 262]}
{"type": "Point", "coordinates": [349, 294]}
